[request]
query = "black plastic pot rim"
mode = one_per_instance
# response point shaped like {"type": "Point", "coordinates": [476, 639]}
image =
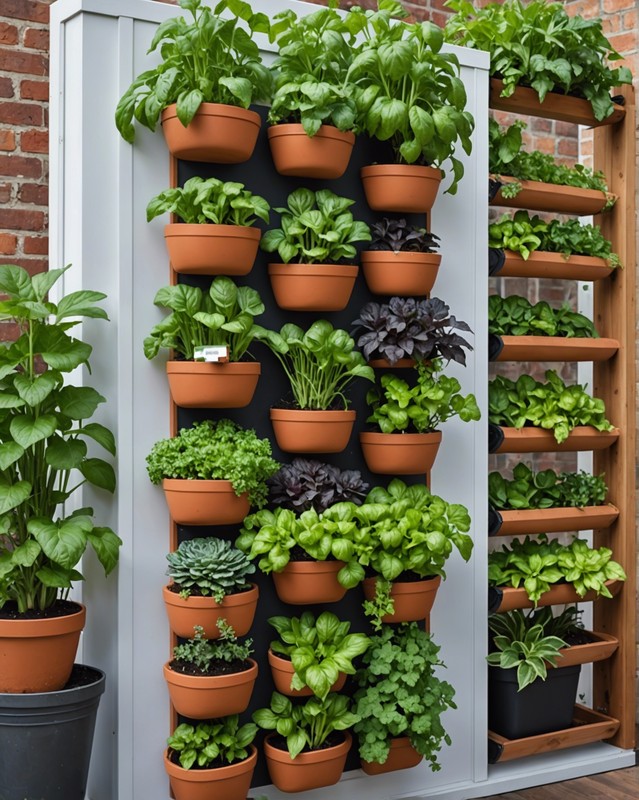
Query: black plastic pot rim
{"type": "Point", "coordinates": [61, 697]}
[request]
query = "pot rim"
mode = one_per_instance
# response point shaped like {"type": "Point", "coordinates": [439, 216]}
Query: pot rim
{"type": "Point", "coordinates": [38, 628]}
{"type": "Point", "coordinates": [215, 110]}
{"type": "Point", "coordinates": [432, 259]}
{"type": "Point", "coordinates": [400, 439]}
{"type": "Point", "coordinates": [316, 415]}
{"type": "Point", "coordinates": [210, 230]}
{"type": "Point", "coordinates": [204, 682]}
{"type": "Point", "coordinates": [218, 485]}
{"type": "Point", "coordinates": [237, 368]}
{"type": "Point", "coordinates": [313, 270]}
{"type": "Point", "coordinates": [209, 775]}
{"type": "Point", "coordinates": [312, 757]}
{"type": "Point", "coordinates": [296, 129]}
{"type": "Point", "coordinates": [401, 171]}
{"type": "Point", "coordinates": [196, 601]}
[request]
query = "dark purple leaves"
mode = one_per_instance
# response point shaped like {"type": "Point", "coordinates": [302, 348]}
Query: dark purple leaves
{"type": "Point", "coordinates": [307, 483]}
{"type": "Point", "coordinates": [397, 234]}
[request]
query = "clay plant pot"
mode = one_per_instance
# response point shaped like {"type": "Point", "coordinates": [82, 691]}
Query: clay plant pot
{"type": "Point", "coordinates": [401, 188]}
{"type": "Point", "coordinates": [537, 440]}
{"type": "Point", "coordinates": [309, 582]}
{"type": "Point", "coordinates": [282, 671]}
{"type": "Point", "coordinates": [325, 155]}
{"type": "Point", "coordinates": [402, 755]}
{"type": "Point", "coordinates": [402, 274]}
{"type": "Point", "coordinates": [223, 783]}
{"type": "Point", "coordinates": [553, 348]}
{"type": "Point", "coordinates": [210, 697]}
{"type": "Point", "coordinates": [306, 431]}
{"type": "Point", "coordinates": [218, 134]}
{"type": "Point", "coordinates": [518, 522]}
{"type": "Point", "coordinates": [209, 249]}
{"type": "Point", "coordinates": [312, 287]}
{"type": "Point", "coordinates": [185, 613]}
{"type": "Point", "coordinates": [559, 594]}
{"type": "Point", "coordinates": [193, 502]}
{"type": "Point", "coordinates": [310, 770]}
{"type": "Point", "coordinates": [384, 363]}
{"type": "Point", "coordinates": [541, 264]}
{"type": "Point", "coordinates": [199, 384]}
{"type": "Point", "coordinates": [413, 600]}
{"type": "Point", "coordinates": [400, 453]}
{"type": "Point", "coordinates": [601, 648]}
{"type": "Point", "coordinates": [36, 655]}
{"type": "Point", "coordinates": [549, 197]}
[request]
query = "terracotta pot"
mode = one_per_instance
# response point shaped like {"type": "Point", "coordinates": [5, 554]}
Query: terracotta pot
{"type": "Point", "coordinates": [553, 265]}
{"type": "Point", "coordinates": [312, 287]}
{"type": "Point", "coordinates": [550, 197]}
{"type": "Point", "coordinates": [402, 755]}
{"type": "Point", "coordinates": [194, 502]}
{"type": "Point", "coordinates": [305, 431]}
{"type": "Point", "coordinates": [555, 348]}
{"type": "Point", "coordinates": [282, 672]}
{"type": "Point", "coordinates": [185, 613]}
{"type": "Point", "coordinates": [403, 188]}
{"type": "Point", "coordinates": [325, 155]}
{"type": "Point", "coordinates": [403, 274]}
{"type": "Point", "coordinates": [218, 133]}
{"type": "Point", "coordinates": [309, 582]}
{"type": "Point", "coordinates": [601, 648]}
{"type": "Point", "coordinates": [537, 440]}
{"type": "Point", "coordinates": [400, 453]}
{"type": "Point", "coordinates": [309, 770]}
{"type": "Point", "coordinates": [559, 594]}
{"type": "Point", "coordinates": [209, 249]}
{"type": "Point", "coordinates": [412, 600]}
{"type": "Point", "coordinates": [198, 384]}
{"type": "Point", "coordinates": [210, 697]}
{"type": "Point", "coordinates": [384, 363]}
{"type": "Point", "coordinates": [224, 783]}
{"type": "Point", "coordinates": [556, 520]}
{"type": "Point", "coordinates": [37, 655]}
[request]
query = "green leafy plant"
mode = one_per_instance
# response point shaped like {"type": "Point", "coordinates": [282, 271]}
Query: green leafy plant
{"type": "Point", "coordinates": [407, 91]}
{"type": "Point", "coordinates": [318, 649]}
{"type": "Point", "coordinates": [211, 59]}
{"type": "Point", "coordinates": [421, 408]}
{"type": "Point", "coordinates": [319, 363]}
{"type": "Point", "coordinates": [400, 695]}
{"type": "Point", "coordinates": [551, 406]}
{"type": "Point", "coordinates": [202, 201]}
{"type": "Point", "coordinates": [317, 228]}
{"type": "Point", "coordinates": [517, 316]}
{"type": "Point", "coordinates": [216, 451]}
{"type": "Point", "coordinates": [44, 434]}
{"type": "Point", "coordinates": [203, 654]}
{"type": "Point", "coordinates": [222, 316]}
{"type": "Point", "coordinates": [211, 744]}
{"type": "Point", "coordinates": [538, 44]}
{"type": "Point", "coordinates": [520, 233]}
{"type": "Point", "coordinates": [308, 725]}
{"type": "Point", "coordinates": [545, 489]}
{"type": "Point", "coordinates": [208, 568]}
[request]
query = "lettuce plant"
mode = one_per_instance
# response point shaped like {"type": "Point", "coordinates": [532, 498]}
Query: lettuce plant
{"type": "Point", "coordinates": [307, 483]}
{"type": "Point", "coordinates": [545, 489]}
{"type": "Point", "coordinates": [202, 745]}
{"type": "Point", "coordinates": [208, 568]}
{"type": "Point", "coordinates": [517, 316]}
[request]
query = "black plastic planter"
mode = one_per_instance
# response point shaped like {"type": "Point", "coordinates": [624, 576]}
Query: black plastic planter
{"type": "Point", "coordinates": [46, 739]}
{"type": "Point", "coordinates": [541, 707]}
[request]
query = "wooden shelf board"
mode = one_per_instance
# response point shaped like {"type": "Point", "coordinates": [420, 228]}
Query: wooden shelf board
{"type": "Point", "coordinates": [553, 266]}
{"type": "Point", "coordinates": [555, 520]}
{"type": "Point", "coordinates": [551, 197]}
{"type": "Point", "coordinates": [583, 438]}
{"type": "Point", "coordinates": [555, 348]}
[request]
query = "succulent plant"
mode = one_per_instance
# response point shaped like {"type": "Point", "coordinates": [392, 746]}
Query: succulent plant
{"type": "Point", "coordinates": [308, 483]}
{"type": "Point", "coordinates": [212, 566]}
{"type": "Point", "coordinates": [397, 235]}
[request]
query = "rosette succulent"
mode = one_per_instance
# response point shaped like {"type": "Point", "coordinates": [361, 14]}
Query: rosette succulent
{"type": "Point", "coordinates": [208, 567]}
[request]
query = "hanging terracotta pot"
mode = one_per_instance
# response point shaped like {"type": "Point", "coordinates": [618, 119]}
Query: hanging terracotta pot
{"type": "Point", "coordinates": [210, 697]}
{"type": "Point", "coordinates": [309, 582]}
{"type": "Point", "coordinates": [218, 133]}
{"type": "Point", "coordinates": [194, 502]}
{"type": "Point", "coordinates": [37, 655]}
{"type": "Point", "coordinates": [312, 287]}
{"type": "Point", "coordinates": [550, 197]}
{"type": "Point", "coordinates": [282, 671]}
{"type": "Point", "coordinates": [401, 188]}
{"type": "Point", "coordinates": [185, 613]}
{"type": "Point", "coordinates": [400, 453]}
{"type": "Point", "coordinates": [558, 594]}
{"type": "Point", "coordinates": [402, 274]}
{"type": "Point", "coordinates": [538, 440]}
{"type": "Point", "coordinates": [209, 249]}
{"type": "Point", "coordinates": [412, 600]}
{"type": "Point", "coordinates": [325, 155]}
{"type": "Point", "coordinates": [308, 770]}
{"type": "Point", "coordinates": [384, 363]}
{"type": "Point", "coordinates": [199, 384]}
{"type": "Point", "coordinates": [402, 755]}
{"type": "Point", "coordinates": [307, 431]}
{"type": "Point", "coordinates": [223, 783]}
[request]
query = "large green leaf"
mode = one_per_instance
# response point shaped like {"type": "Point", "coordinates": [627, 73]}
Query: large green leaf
{"type": "Point", "coordinates": [16, 282]}
{"type": "Point", "coordinates": [65, 454]}
{"type": "Point", "coordinates": [81, 304]}
{"type": "Point", "coordinates": [28, 429]}
{"type": "Point", "coordinates": [107, 547]}
{"type": "Point", "coordinates": [36, 390]}
{"type": "Point", "coordinates": [63, 542]}
{"type": "Point", "coordinates": [99, 434]}
{"type": "Point", "coordinates": [99, 473]}
{"type": "Point", "coordinates": [58, 577]}
{"type": "Point", "coordinates": [10, 452]}
{"type": "Point", "coordinates": [43, 281]}
{"type": "Point", "coordinates": [79, 402]}
{"type": "Point", "coordinates": [59, 350]}
{"type": "Point", "coordinates": [12, 495]}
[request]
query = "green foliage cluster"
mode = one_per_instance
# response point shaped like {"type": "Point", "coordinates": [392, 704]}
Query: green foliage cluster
{"type": "Point", "coordinates": [538, 44]}
{"type": "Point", "coordinates": [421, 408]}
{"type": "Point", "coordinates": [399, 694]}
{"type": "Point", "coordinates": [209, 567]}
{"type": "Point", "coordinates": [216, 451]}
{"type": "Point", "coordinates": [517, 316]}
{"type": "Point", "coordinates": [551, 406]}
{"type": "Point", "coordinates": [545, 489]}
{"type": "Point", "coordinates": [317, 228]}
{"type": "Point", "coordinates": [201, 201]}
{"type": "Point", "coordinates": [537, 564]}
{"type": "Point", "coordinates": [203, 745]}
{"type": "Point", "coordinates": [45, 436]}
{"type": "Point", "coordinates": [319, 649]}
{"type": "Point", "coordinates": [204, 653]}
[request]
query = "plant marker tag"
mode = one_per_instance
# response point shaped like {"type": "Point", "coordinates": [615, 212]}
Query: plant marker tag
{"type": "Point", "coordinates": [216, 354]}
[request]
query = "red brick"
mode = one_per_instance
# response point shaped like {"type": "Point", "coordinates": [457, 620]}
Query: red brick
{"type": "Point", "coordinates": [36, 246]}
{"type": "Point", "coordinates": [566, 129]}
{"type": "Point", "coordinates": [20, 166]}
{"type": "Point", "coordinates": [35, 193]}
{"type": "Point", "coordinates": [9, 331]}
{"type": "Point", "coordinates": [17, 219]}
{"type": "Point", "coordinates": [36, 38]}
{"type": "Point", "coordinates": [6, 87]}
{"type": "Point", "coordinates": [8, 33]}
{"type": "Point", "coordinates": [624, 43]}
{"type": "Point", "coordinates": [31, 10]}
{"type": "Point", "coordinates": [34, 141]}
{"type": "Point", "coordinates": [545, 143]}
{"type": "Point", "coordinates": [27, 63]}
{"type": "Point", "coordinates": [568, 147]}
{"type": "Point", "coordinates": [7, 140]}
{"type": "Point", "coordinates": [541, 125]}
{"type": "Point", "coordinates": [32, 265]}
{"type": "Point", "coordinates": [5, 192]}
{"type": "Point", "coordinates": [34, 90]}
{"type": "Point", "coordinates": [8, 244]}
{"type": "Point", "coordinates": [613, 6]}
{"type": "Point", "coordinates": [16, 113]}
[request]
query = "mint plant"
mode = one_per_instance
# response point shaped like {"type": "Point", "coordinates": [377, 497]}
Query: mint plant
{"type": "Point", "coordinates": [517, 316]}
{"type": "Point", "coordinates": [210, 744]}
{"type": "Point", "coordinates": [208, 568]}
{"type": "Point", "coordinates": [545, 489]}
{"type": "Point", "coordinates": [204, 654]}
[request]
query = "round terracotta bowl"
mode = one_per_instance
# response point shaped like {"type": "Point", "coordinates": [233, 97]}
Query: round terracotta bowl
{"type": "Point", "coordinates": [384, 363]}
{"type": "Point", "coordinates": [301, 431]}
{"type": "Point", "coordinates": [402, 755]}
{"type": "Point", "coordinates": [400, 453]}
{"type": "Point", "coordinates": [223, 783]}
{"type": "Point", "coordinates": [312, 287]}
{"type": "Point", "coordinates": [402, 274]}
{"type": "Point", "coordinates": [412, 600]}
{"type": "Point", "coordinates": [185, 613]}
{"type": "Point", "coordinates": [308, 770]}
{"type": "Point", "coordinates": [209, 249]}
{"type": "Point", "coordinates": [403, 188]}
{"type": "Point", "coordinates": [309, 582]}
{"type": "Point", "coordinates": [199, 384]}
{"type": "Point", "coordinates": [193, 502]}
{"type": "Point", "coordinates": [210, 697]}
{"type": "Point", "coordinates": [282, 671]}
{"type": "Point", "coordinates": [325, 155]}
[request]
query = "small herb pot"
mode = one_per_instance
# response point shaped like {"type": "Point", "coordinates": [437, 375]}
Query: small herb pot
{"type": "Point", "coordinates": [210, 696]}
{"type": "Point", "coordinates": [208, 249]}
{"type": "Point", "coordinates": [325, 155]}
{"type": "Point", "coordinates": [194, 502]}
{"type": "Point", "coordinates": [198, 384]}
{"type": "Point", "coordinates": [413, 600]}
{"type": "Point", "coordinates": [185, 613]}
{"type": "Point", "coordinates": [224, 783]}
{"type": "Point", "coordinates": [401, 188]}
{"type": "Point", "coordinates": [312, 287]}
{"type": "Point", "coordinates": [310, 770]}
{"type": "Point", "coordinates": [402, 755]}
{"type": "Point", "coordinates": [400, 453]}
{"type": "Point", "coordinates": [309, 582]}
{"type": "Point", "coordinates": [402, 274]}
{"type": "Point", "coordinates": [282, 671]}
{"type": "Point", "coordinates": [308, 431]}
